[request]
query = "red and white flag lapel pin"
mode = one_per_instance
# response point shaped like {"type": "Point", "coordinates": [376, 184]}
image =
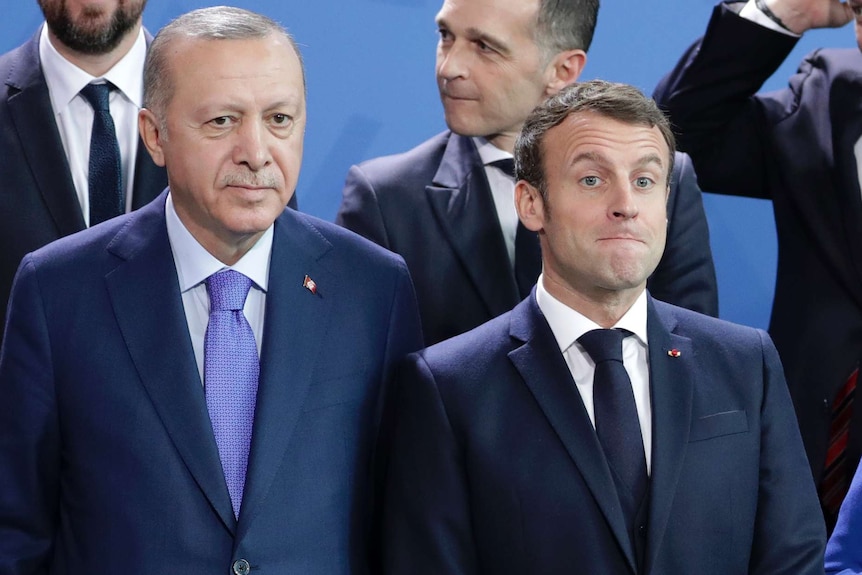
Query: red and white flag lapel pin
{"type": "Point", "coordinates": [310, 285]}
{"type": "Point", "coordinates": [674, 353]}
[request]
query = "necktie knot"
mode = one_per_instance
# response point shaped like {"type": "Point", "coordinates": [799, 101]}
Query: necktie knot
{"type": "Point", "coordinates": [227, 290]}
{"type": "Point", "coordinates": [604, 344]}
{"type": "Point", "coordinates": [97, 95]}
{"type": "Point", "coordinates": [507, 165]}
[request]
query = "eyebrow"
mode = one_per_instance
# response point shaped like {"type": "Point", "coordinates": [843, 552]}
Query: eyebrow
{"type": "Point", "coordinates": [475, 34]}
{"type": "Point", "coordinates": [601, 159]}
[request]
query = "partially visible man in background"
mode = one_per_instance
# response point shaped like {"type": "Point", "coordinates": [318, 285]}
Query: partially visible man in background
{"type": "Point", "coordinates": [447, 205]}
{"type": "Point", "coordinates": [77, 83]}
{"type": "Point", "coordinates": [801, 148]}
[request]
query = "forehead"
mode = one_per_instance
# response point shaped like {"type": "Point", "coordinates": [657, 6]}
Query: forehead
{"type": "Point", "coordinates": [490, 15]}
{"type": "Point", "coordinates": [206, 66]}
{"type": "Point", "coordinates": [601, 136]}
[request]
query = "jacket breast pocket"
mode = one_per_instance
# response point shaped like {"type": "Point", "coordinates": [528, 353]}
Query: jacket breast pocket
{"type": "Point", "coordinates": [717, 425]}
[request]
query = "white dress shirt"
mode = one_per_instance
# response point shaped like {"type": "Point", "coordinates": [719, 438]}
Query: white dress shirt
{"type": "Point", "coordinates": [195, 264]}
{"type": "Point", "coordinates": [503, 192]}
{"type": "Point", "coordinates": [568, 325]}
{"type": "Point", "coordinates": [74, 115]}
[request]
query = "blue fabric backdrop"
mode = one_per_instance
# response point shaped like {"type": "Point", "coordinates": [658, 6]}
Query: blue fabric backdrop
{"type": "Point", "coordinates": [370, 66]}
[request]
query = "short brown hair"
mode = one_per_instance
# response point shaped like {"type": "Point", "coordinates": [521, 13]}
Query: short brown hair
{"type": "Point", "coordinates": [620, 102]}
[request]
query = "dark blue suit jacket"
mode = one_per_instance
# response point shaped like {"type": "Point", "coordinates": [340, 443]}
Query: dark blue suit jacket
{"type": "Point", "coordinates": [795, 147]}
{"type": "Point", "coordinates": [433, 206]}
{"type": "Point", "coordinates": [497, 469]}
{"type": "Point", "coordinates": [107, 457]}
{"type": "Point", "coordinates": [39, 203]}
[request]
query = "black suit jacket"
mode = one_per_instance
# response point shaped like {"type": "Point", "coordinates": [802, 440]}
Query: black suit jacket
{"type": "Point", "coordinates": [39, 203]}
{"type": "Point", "coordinates": [433, 206]}
{"type": "Point", "coordinates": [795, 147]}
{"type": "Point", "coordinates": [497, 469]}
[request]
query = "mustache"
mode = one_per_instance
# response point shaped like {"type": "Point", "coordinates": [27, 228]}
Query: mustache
{"type": "Point", "coordinates": [253, 180]}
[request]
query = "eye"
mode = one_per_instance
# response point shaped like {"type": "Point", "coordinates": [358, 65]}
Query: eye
{"type": "Point", "coordinates": [444, 34]}
{"type": "Point", "coordinates": [590, 181]}
{"type": "Point", "coordinates": [221, 121]}
{"type": "Point", "coordinates": [280, 119]}
{"type": "Point", "coordinates": [483, 47]}
{"type": "Point", "coordinates": [644, 182]}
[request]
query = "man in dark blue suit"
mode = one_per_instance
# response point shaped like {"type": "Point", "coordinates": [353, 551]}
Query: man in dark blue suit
{"type": "Point", "coordinates": [520, 449]}
{"type": "Point", "coordinates": [128, 444]}
{"type": "Point", "coordinates": [801, 148]}
{"type": "Point", "coordinates": [44, 123]}
{"type": "Point", "coordinates": [446, 206]}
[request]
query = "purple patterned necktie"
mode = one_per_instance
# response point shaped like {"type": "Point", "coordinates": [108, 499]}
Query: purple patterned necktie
{"type": "Point", "coordinates": [231, 369]}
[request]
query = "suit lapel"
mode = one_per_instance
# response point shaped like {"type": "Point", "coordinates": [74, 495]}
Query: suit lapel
{"type": "Point", "coordinates": [33, 118]}
{"type": "Point", "coordinates": [296, 322]}
{"type": "Point", "coordinates": [671, 388]}
{"type": "Point", "coordinates": [161, 349]}
{"type": "Point", "coordinates": [462, 203]}
{"type": "Point", "coordinates": [545, 372]}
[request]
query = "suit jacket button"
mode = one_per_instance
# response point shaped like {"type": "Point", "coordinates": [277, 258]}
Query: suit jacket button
{"type": "Point", "coordinates": [642, 530]}
{"type": "Point", "coordinates": [241, 567]}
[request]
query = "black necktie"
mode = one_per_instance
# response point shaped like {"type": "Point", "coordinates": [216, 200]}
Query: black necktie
{"type": "Point", "coordinates": [528, 253]}
{"type": "Point", "coordinates": [105, 176]}
{"type": "Point", "coordinates": [617, 423]}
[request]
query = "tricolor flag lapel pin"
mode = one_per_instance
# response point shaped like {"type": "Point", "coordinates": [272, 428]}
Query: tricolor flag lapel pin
{"type": "Point", "coordinates": [309, 284]}
{"type": "Point", "coordinates": [674, 353]}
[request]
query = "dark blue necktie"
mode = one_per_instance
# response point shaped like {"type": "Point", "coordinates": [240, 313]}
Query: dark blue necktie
{"type": "Point", "coordinates": [617, 424]}
{"type": "Point", "coordinates": [528, 253]}
{"type": "Point", "coordinates": [231, 370]}
{"type": "Point", "coordinates": [104, 177]}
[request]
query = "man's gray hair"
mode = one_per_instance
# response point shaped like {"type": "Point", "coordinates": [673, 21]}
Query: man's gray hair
{"type": "Point", "coordinates": [215, 23]}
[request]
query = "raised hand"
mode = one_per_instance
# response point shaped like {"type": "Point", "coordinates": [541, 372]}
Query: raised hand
{"type": "Point", "coordinates": [802, 15]}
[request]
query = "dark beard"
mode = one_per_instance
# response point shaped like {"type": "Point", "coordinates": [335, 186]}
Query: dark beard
{"type": "Point", "coordinates": [89, 39]}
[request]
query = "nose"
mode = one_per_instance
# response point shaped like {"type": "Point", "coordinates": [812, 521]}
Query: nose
{"type": "Point", "coordinates": [623, 204]}
{"type": "Point", "coordinates": [252, 145]}
{"type": "Point", "coordinates": [452, 61]}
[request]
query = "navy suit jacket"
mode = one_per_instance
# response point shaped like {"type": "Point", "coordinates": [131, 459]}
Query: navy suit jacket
{"type": "Point", "coordinates": [107, 456]}
{"type": "Point", "coordinates": [496, 467]}
{"type": "Point", "coordinates": [795, 147]}
{"type": "Point", "coordinates": [39, 203]}
{"type": "Point", "coordinates": [433, 206]}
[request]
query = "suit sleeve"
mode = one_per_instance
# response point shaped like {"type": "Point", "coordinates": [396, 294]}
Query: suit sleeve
{"type": "Point", "coordinates": [427, 525]}
{"type": "Point", "coordinates": [685, 276]}
{"type": "Point", "coordinates": [789, 535]}
{"type": "Point", "coordinates": [360, 210]}
{"type": "Point", "coordinates": [29, 434]}
{"type": "Point", "coordinates": [844, 551]}
{"type": "Point", "coordinates": [711, 97]}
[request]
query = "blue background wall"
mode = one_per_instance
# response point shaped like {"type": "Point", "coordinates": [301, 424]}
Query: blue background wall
{"type": "Point", "coordinates": [370, 66]}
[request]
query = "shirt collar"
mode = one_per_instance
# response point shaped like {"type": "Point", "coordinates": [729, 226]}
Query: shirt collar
{"type": "Point", "coordinates": [65, 79]}
{"type": "Point", "coordinates": [568, 325]}
{"type": "Point", "coordinates": [488, 152]}
{"type": "Point", "coordinates": [195, 264]}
